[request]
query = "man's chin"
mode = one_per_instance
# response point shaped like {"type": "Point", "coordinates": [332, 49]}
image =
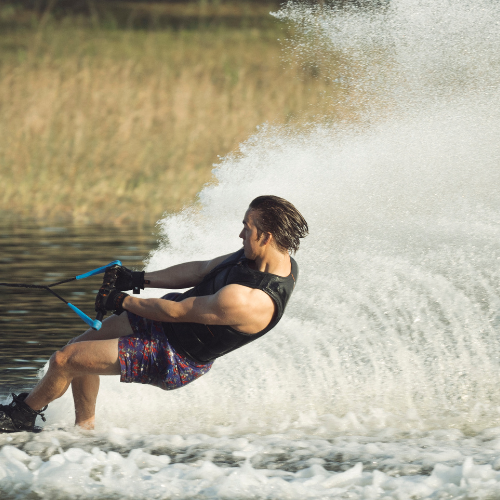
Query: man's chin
{"type": "Point", "coordinates": [247, 254]}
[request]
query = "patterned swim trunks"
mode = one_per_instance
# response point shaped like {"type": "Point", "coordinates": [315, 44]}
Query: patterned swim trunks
{"type": "Point", "coordinates": [146, 357]}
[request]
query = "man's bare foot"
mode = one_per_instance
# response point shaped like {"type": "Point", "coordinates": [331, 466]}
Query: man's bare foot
{"type": "Point", "coordinates": [87, 425]}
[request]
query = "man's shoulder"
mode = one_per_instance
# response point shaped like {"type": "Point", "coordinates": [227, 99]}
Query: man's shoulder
{"type": "Point", "coordinates": [210, 265]}
{"type": "Point", "coordinates": [233, 257]}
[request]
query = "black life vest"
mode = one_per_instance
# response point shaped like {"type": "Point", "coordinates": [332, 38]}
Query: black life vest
{"type": "Point", "coordinates": [204, 343]}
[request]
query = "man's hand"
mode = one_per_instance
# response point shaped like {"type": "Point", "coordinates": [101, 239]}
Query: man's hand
{"type": "Point", "coordinates": [109, 299]}
{"type": "Point", "coordinates": [124, 279]}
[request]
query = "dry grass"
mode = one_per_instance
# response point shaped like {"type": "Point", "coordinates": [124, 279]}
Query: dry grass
{"type": "Point", "coordinates": [113, 126]}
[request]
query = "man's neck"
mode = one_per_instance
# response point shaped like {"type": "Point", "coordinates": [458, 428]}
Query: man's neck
{"type": "Point", "coordinates": [274, 262]}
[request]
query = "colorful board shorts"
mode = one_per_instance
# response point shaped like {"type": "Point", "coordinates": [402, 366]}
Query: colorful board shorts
{"type": "Point", "coordinates": [146, 357]}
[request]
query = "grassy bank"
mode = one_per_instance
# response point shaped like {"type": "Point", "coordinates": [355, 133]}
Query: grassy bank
{"type": "Point", "coordinates": [118, 125]}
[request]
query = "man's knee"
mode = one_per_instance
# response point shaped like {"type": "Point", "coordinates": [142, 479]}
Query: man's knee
{"type": "Point", "coordinates": [59, 360]}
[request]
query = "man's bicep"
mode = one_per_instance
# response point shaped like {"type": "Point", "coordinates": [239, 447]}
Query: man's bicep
{"type": "Point", "coordinates": [203, 310]}
{"type": "Point", "coordinates": [224, 307]}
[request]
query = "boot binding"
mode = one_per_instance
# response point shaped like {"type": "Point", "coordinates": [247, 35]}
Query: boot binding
{"type": "Point", "coordinates": [18, 416]}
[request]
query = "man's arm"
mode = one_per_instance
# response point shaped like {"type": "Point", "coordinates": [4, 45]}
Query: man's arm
{"type": "Point", "coordinates": [248, 310]}
{"type": "Point", "coordinates": [184, 275]}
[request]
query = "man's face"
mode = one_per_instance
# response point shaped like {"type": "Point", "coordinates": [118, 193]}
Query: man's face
{"type": "Point", "coordinates": [249, 235]}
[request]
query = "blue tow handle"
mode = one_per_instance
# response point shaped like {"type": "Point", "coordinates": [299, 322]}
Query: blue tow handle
{"type": "Point", "coordinates": [95, 324]}
{"type": "Point", "coordinates": [98, 270]}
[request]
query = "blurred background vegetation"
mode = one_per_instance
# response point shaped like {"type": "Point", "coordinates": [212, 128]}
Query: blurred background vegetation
{"type": "Point", "coordinates": [115, 112]}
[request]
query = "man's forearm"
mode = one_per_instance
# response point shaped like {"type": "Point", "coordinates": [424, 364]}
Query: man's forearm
{"type": "Point", "coordinates": [180, 276]}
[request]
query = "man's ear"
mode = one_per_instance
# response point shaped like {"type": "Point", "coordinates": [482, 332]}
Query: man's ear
{"type": "Point", "coordinates": [267, 238]}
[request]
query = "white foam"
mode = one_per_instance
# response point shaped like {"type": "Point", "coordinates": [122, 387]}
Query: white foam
{"type": "Point", "coordinates": [384, 464]}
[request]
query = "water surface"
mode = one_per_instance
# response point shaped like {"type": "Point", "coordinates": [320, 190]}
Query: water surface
{"type": "Point", "coordinates": [33, 323]}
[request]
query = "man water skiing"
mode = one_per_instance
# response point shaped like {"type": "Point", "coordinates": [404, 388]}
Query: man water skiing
{"type": "Point", "coordinates": [169, 342]}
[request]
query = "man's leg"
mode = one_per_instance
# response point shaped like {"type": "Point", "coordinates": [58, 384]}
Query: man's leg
{"type": "Point", "coordinates": [82, 361]}
{"type": "Point", "coordinates": [85, 391]}
{"type": "Point", "coordinates": [112, 328]}
{"type": "Point", "coordinates": [86, 387]}
{"type": "Point", "coordinates": [95, 357]}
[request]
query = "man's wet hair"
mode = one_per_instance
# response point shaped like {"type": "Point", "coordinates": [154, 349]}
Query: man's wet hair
{"type": "Point", "coordinates": [280, 218]}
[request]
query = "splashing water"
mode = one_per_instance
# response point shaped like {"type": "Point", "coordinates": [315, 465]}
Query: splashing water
{"type": "Point", "coordinates": [392, 332]}
{"type": "Point", "coordinates": [397, 306]}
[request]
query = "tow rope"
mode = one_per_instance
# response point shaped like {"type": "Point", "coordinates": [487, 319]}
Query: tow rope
{"type": "Point", "coordinates": [96, 323]}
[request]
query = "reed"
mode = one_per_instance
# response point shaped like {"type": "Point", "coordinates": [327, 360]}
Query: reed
{"type": "Point", "coordinates": [113, 126]}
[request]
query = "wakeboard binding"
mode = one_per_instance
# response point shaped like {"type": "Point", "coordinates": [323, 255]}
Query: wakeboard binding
{"type": "Point", "coordinates": [17, 416]}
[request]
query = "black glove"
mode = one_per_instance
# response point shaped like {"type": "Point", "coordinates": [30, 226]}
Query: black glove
{"type": "Point", "coordinates": [111, 276]}
{"type": "Point", "coordinates": [109, 299]}
{"type": "Point", "coordinates": [122, 278]}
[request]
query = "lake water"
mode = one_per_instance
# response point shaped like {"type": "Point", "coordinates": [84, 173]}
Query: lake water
{"type": "Point", "coordinates": [33, 323]}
